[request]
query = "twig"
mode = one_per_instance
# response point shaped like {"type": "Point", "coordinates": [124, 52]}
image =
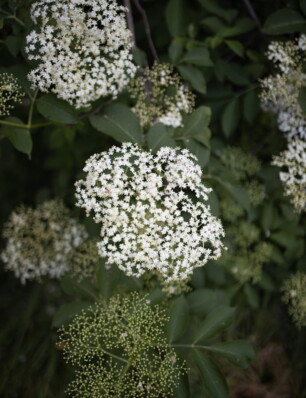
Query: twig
{"type": "Point", "coordinates": [130, 21]}
{"type": "Point", "coordinates": [147, 29]}
{"type": "Point", "coordinates": [252, 12]}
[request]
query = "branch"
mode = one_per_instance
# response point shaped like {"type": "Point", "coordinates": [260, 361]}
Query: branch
{"type": "Point", "coordinates": [130, 21]}
{"type": "Point", "coordinates": [147, 29]}
{"type": "Point", "coordinates": [252, 12]}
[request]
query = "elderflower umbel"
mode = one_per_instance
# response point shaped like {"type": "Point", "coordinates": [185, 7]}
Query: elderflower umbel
{"type": "Point", "coordinates": [294, 178]}
{"type": "Point", "coordinates": [161, 96]}
{"type": "Point", "coordinates": [120, 350]}
{"type": "Point", "coordinates": [294, 294]}
{"type": "Point", "coordinates": [152, 209]}
{"type": "Point", "coordinates": [10, 91]}
{"type": "Point", "coordinates": [280, 92]}
{"type": "Point", "coordinates": [83, 49]}
{"type": "Point", "coordinates": [41, 241]}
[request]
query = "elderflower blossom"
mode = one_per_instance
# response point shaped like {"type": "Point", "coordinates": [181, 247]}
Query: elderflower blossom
{"type": "Point", "coordinates": [120, 350]}
{"type": "Point", "coordinates": [152, 209]}
{"type": "Point", "coordinates": [294, 178]}
{"type": "Point", "coordinates": [83, 49]}
{"type": "Point", "coordinates": [280, 92]}
{"type": "Point", "coordinates": [10, 91]}
{"type": "Point", "coordinates": [41, 241]}
{"type": "Point", "coordinates": [294, 294]}
{"type": "Point", "coordinates": [161, 96]}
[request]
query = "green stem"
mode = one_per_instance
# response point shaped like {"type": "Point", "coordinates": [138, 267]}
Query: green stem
{"type": "Point", "coordinates": [32, 107]}
{"type": "Point", "coordinates": [115, 356]}
{"type": "Point", "coordinates": [189, 346]}
{"type": "Point", "coordinates": [25, 126]}
{"type": "Point", "coordinates": [12, 17]}
{"type": "Point", "coordinates": [16, 19]}
{"type": "Point", "coordinates": [124, 370]}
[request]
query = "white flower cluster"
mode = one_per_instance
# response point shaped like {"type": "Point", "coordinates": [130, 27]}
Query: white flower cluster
{"type": "Point", "coordinates": [294, 178]}
{"type": "Point", "coordinates": [152, 209]}
{"type": "Point", "coordinates": [281, 96]}
{"type": "Point", "coordinates": [161, 96]}
{"type": "Point", "coordinates": [173, 116]}
{"type": "Point", "coordinates": [280, 92]}
{"type": "Point", "coordinates": [10, 93]}
{"type": "Point", "coordinates": [41, 241]}
{"type": "Point", "coordinates": [83, 49]}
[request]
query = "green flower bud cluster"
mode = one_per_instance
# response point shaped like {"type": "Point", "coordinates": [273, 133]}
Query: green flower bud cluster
{"type": "Point", "coordinates": [10, 92]}
{"type": "Point", "coordinates": [246, 253]}
{"type": "Point", "coordinates": [294, 294]}
{"type": "Point", "coordinates": [240, 163]}
{"type": "Point", "coordinates": [243, 167]}
{"type": "Point", "coordinates": [120, 350]}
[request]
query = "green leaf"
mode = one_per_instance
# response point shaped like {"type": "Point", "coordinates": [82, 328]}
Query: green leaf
{"type": "Point", "coordinates": [213, 202]}
{"type": "Point", "coordinates": [267, 216]}
{"type": "Point", "coordinates": [214, 24]}
{"type": "Point", "coordinates": [196, 124]}
{"type": "Point", "coordinates": [251, 295]}
{"type": "Point", "coordinates": [202, 301]}
{"type": "Point", "coordinates": [303, 6]}
{"type": "Point", "coordinates": [13, 44]}
{"type": "Point", "coordinates": [67, 311]}
{"type": "Point", "coordinates": [215, 322]}
{"type": "Point", "coordinates": [242, 25]}
{"type": "Point", "coordinates": [120, 123]}
{"type": "Point", "coordinates": [235, 46]}
{"type": "Point", "coordinates": [194, 77]}
{"type": "Point", "coordinates": [176, 17]}
{"type": "Point", "coordinates": [139, 57]}
{"type": "Point", "coordinates": [302, 99]}
{"type": "Point", "coordinates": [77, 289]}
{"type": "Point", "coordinates": [230, 117]}
{"type": "Point", "coordinates": [107, 279]}
{"type": "Point", "coordinates": [250, 106]}
{"type": "Point", "coordinates": [176, 50]}
{"type": "Point", "coordinates": [238, 352]}
{"type": "Point", "coordinates": [213, 379]}
{"type": "Point", "coordinates": [182, 390]}
{"type": "Point", "coordinates": [267, 283]}
{"type": "Point", "coordinates": [178, 319]}
{"type": "Point", "coordinates": [238, 193]}
{"type": "Point", "coordinates": [19, 137]}
{"type": "Point", "coordinates": [199, 151]}
{"type": "Point", "coordinates": [159, 136]}
{"type": "Point", "coordinates": [234, 72]}
{"type": "Point", "coordinates": [156, 296]}
{"type": "Point", "coordinates": [55, 109]}
{"type": "Point", "coordinates": [212, 7]}
{"type": "Point", "coordinates": [285, 20]}
{"type": "Point", "coordinates": [198, 56]}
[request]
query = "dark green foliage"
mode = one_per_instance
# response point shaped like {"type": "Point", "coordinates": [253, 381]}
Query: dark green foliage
{"type": "Point", "coordinates": [217, 47]}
